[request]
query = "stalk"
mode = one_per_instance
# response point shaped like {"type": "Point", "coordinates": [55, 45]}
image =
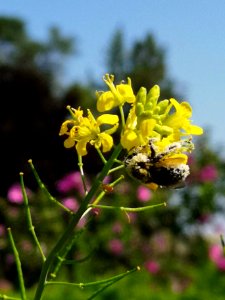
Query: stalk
{"type": "Point", "coordinates": [75, 219]}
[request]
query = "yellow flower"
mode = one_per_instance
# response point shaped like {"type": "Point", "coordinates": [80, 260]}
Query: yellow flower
{"type": "Point", "coordinates": [150, 117]}
{"type": "Point", "coordinates": [77, 115]}
{"type": "Point", "coordinates": [180, 121]}
{"type": "Point", "coordinates": [87, 130]}
{"type": "Point", "coordinates": [117, 95]}
{"type": "Point", "coordinates": [135, 135]}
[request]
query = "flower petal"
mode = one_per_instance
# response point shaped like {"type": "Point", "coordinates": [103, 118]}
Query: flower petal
{"type": "Point", "coordinates": [125, 90]}
{"type": "Point", "coordinates": [81, 147]}
{"type": "Point", "coordinates": [129, 139]}
{"type": "Point", "coordinates": [147, 126]}
{"type": "Point", "coordinates": [68, 143]}
{"type": "Point", "coordinates": [64, 127]}
{"type": "Point", "coordinates": [107, 119]}
{"type": "Point", "coordinates": [194, 129]}
{"type": "Point", "coordinates": [106, 141]}
{"type": "Point", "coordinates": [106, 101]}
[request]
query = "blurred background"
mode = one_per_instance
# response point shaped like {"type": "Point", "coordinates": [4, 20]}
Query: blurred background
{"type": "Point", "coordinates": [54, 54]}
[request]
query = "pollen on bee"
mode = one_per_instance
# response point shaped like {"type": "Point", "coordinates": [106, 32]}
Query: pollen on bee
{"type": "Point", "coordinates": [139, 157]}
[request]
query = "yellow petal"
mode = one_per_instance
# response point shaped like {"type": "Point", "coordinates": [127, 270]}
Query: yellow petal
{"type": "Point", "coordinates": [81, 147]}
{"type": "Point", "coordinates": [147, 126]}
{"type": "Point", "coordinates": [68, 143]}
{"type": "Point", "coordinates": [186, 110]}
{"type": "Point", "coordinates": [129, 139]}
{"type": "Point", "coordinates": [175, 103]}
{"type": "Point", "coordinates": [112, 129]}
{"type": "Point", "coordinates": [125, 90]}
{"type": "Point", "coordinates": [64, 127]}
{"type": "Point", "coordinates": [106, 101]}
{"type": "Point", "coordinates": [106, 141]}
{"type": "Point", "coordinates": [194, 129]}
{"type": "Point", "coordinates": [107, 119]}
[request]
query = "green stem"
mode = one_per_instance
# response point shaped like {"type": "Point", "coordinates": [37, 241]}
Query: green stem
{"type": "Point", "coordinates": [122, 116]}
{"type": "Point", "coordinates": [112, 282]}
{"type": "Point", "coordinates": [128, 209]}
{"type": "Point", "coordinates": [222, 243]}
{"type": "Point", "coordinates": [102, 194]}
{"type": "Point", "coordinates": [78, 261]}
{"type": "Point", "coordinates": [44, 189]}
{"type": "Point", "coordinates": [101, 155]}
{"type": "Point", "coordinates": [75, 219]}
{"type": "Point", "coordinates": [61, 256]}
{"type": "Point", "coordinates": [18, 266]}
{"type": "Point", "coordinates": [29, 219]}
{"type": "Point", "coordinates": [80, 165]}
{"type": "Point", "coordinates": [94, 283]}
{"type": "Point", "coordinates": [119, 161]}
{"type": "Point", "coordinates": [116, 169]}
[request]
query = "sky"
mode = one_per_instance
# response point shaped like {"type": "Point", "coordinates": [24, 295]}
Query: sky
{"type": "Point", "coordinates": [192, 32]}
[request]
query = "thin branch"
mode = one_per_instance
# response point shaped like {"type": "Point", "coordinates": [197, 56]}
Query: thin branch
{"type": "Point", "coordinates": [29, 218]}
{"type": "Point", "coordinates": [45, 190]}
{"type": "Point", "coordinates": [18, 265]}
{"type": "Point", "coordinates": [128, 209]}
{"type": "Point", "coordinates": [80, 165]}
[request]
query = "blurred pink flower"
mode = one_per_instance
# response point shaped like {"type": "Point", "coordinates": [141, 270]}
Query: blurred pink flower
{"type": "Point", "coordinates": [216, 255]}
{"type": "Point", "coordinates": [143, 193]}
{"type": "Point", "coordinates": [15, 195]}
{"type": "Point", "coordinates": [152, 266]}
{"type": "Point", "coordinates": [71, 181]}
{"type": "Point", "coordinates": [221, 263]}
{"type": "Point", "coordinates": [71, 203]}
{"type": "Point", "coordinates": [208, 173]}
{"type": "Point", "coordinates": [116, 247]}
{"type": "Point", "coordinates": [215, 252]}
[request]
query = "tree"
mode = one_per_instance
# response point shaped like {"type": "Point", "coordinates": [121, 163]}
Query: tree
{"type": "Point", "coordinates": [28, 77]}
{"type": "Point", "coordinates": [144, 62]}
{"type": "Point", "coordinates": [116, 55]}
{"type": "Point", "coordinates": [18, 49]}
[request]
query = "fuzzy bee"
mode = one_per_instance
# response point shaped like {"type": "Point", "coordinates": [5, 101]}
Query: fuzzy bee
{"type": "Point", "coordinates": [155, 168]}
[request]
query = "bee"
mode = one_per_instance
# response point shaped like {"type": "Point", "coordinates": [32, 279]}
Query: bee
{"type": "Point", "coordinates": [156, 168]}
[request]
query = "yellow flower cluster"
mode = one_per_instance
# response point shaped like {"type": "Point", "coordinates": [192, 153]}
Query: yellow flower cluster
{"type": "Point", "coordinates": [167, 120]}
{"type": "Point", "coordinates": [82, 130]}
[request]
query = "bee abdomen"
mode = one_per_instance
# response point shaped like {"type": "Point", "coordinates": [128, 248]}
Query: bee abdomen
{"type": "Point", "coordinates": [169, 176]}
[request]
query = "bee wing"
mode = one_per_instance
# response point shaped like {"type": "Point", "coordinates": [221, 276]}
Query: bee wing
{"type": "Point", "coordinates": [173, 160]}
